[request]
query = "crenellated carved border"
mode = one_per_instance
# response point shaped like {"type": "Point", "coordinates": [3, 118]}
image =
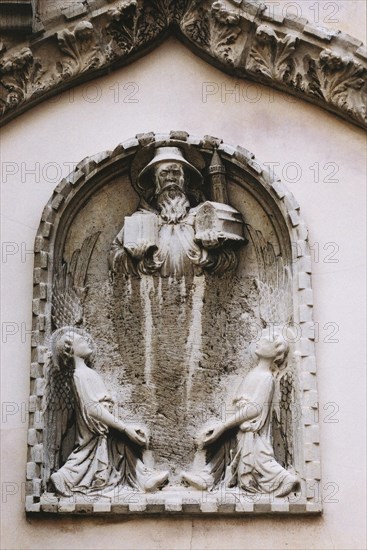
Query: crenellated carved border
{"type": "Point", "coordinates": [67, 196]}
{"type": "Point", "coordinates": [243, 38]}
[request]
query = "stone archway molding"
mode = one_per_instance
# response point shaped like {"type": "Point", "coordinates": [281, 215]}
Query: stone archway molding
{"type": "Point", "coordinates": [244, 38]}
{"type": "Point", "coordinates": [68, 197]}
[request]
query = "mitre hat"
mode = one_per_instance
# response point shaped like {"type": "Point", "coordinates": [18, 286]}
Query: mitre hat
{"type": "Point", "coordinates": [170, 154]}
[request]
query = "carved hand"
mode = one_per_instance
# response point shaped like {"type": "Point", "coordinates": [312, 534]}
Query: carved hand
{"type": "Point", "coordinates": [209, 435]}
{"type": "Point", "coordinates": [241, 401]}
{"type": "Point", "coordinates": [137, 434]}
{"type": "Point", "coordinates": [210, 238]}
{"type": "Point", "coordinates": [114, 259]}
{"type": "Point", "coordinates": [140, 249]}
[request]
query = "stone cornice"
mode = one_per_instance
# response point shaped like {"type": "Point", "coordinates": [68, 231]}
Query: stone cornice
{"type": "Point", "coordinates": [245, 39]}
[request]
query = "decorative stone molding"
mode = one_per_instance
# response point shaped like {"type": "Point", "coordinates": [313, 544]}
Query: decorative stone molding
{"type": "Point", "coordinates": [77, 192]}
{"type": "Point", "coordinates": [325, 67]}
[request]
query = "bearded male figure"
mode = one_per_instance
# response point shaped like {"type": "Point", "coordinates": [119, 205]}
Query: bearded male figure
{"type": "Point", "coordinates": [164, 235]}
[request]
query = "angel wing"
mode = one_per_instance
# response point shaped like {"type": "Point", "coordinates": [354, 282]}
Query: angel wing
{"type": "Point", "coordinates": [68, 293]}
{"type": "Point", "coordinates": [274, 282]}
{"type": "Point", "coordinates": [282, 419]}
{"type": "Point", "coordinates": [58, 413]}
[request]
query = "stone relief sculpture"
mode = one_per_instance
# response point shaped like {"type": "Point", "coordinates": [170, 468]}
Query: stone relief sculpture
{"type": "Point", "coordinates": [107, 453]}
{"type": "Point", "coordinates": [248, 39]}
{"type": "Point", "coordinates": [145, 323]}
{"type": "Point", "coordinates": [250, 464]}
{"type": "Point", "coordinates": [168, 236]}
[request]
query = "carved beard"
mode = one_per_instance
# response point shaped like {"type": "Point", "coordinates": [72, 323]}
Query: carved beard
{"type": "Point", "coordinates": [172, 204]}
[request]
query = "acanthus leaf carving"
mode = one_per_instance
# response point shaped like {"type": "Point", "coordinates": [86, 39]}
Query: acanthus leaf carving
{"type": "Point", "coordinates": [134, 23]}
{"type": "Point", "coordinates": [332, 78]}
{"type": "Point", "coordinates": [239, 37]}
{"type": "Point", "coordinates": [271, 56]}
{"type": "Point", "coordinates": [195, 23]}
{"type": "Point", "coordinates": [122, 25]}
{"type": "Point", "coordinates": [81, 48]}
{"type": "Point", "coordinates": [20, 77]}
{"type": "Point", "coordinates": [217, 29]}
{"type": "Point", "coordinates": [224, 31]}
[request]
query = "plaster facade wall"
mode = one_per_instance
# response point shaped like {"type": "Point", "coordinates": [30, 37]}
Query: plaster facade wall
{"type": "Point", "coordinates": [322, 161]}
{"type": "Point", "coordinates": [346, 16]}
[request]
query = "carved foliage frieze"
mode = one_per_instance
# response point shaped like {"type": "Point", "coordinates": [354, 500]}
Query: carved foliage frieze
{"type": "Point", "coordinates": [327, 68]}
{"type": "Point", "coordinates": [215, 29]}
{"type": "Point", "coordinates": [81, 50]}
{"type": "Point", "coordinates": [336, 79]}
{"type": "Point", "coordinates": [272, 56]}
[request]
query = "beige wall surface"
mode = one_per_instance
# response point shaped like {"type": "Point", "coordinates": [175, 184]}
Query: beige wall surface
{"type": "Point", "coordinates": [347, 15]}
{"type": "Point", "coordinates": [322, 161]}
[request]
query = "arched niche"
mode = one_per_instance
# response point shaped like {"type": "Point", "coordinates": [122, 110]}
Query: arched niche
{"type": "Point", "coordinates": [199, 331]}
{"type": "Point", "coordinates": [246, 39]}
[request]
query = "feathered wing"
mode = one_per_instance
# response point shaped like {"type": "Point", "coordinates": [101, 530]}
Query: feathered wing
{"type": "Point", "coordinates": [58, 413]}
{"type": "Point", "coordinates": [68, 290]}
{"type": "Point", "coordinates": [282, 411]}
{"type": "Point", "coordinates": [274, 283]}
{"type": "Point", "coordinates": [68, 293]}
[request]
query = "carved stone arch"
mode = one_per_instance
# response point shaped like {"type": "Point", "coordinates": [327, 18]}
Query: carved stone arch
{"type": "Point", "coordinates": [246, 39]}
{"type": "Point", "coordinates": [248, 180]}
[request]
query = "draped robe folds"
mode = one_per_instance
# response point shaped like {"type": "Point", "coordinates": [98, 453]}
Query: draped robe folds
{"type": "Point", "coordinates": [178, 251]}
{"type": "Point", "coordinates": [101, 460]}
{"type": "Point", "coordinates": [253, 466]}
{"type": "Point", "coordinates": [178, 254]}
{"type": "Point", "coordinates": [248, 461]}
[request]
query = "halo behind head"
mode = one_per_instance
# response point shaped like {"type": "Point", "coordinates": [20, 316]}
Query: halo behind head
{"type": "Point", "coordinates": [56, 344]}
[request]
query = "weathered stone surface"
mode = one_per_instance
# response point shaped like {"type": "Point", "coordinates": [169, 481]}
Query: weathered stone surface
{"type": "Point", "coordinates": [192, 319]}
{"type": "Point", "coordinates": [250, 40]}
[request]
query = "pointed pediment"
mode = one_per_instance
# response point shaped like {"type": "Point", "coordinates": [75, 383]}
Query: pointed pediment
{"type": "Point", "coordinates": [245, 39]}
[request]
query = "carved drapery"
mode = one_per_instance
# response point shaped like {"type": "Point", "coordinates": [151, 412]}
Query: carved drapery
{"type": "Point", "coordinates": [69, 198]}
{"type": "Point", "coordinates": [245, 39]}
